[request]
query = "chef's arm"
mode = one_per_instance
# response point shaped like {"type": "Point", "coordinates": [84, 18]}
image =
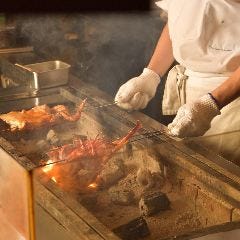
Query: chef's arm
{"type": "Point", "coordinates": [136, 93]}
{"type": "Point", "coordinates": [162, 57]}
{"type": "Point", "coordinates": [229, 90]}
{"type": "Point", "coordinates": [194, 119]}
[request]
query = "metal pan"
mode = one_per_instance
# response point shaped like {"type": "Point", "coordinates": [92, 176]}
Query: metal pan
{"type": "Point", "coordinates": [47, 74]}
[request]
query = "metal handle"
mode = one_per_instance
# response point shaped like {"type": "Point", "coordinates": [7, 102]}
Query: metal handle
{"type": "Point", "coordinates": [24, 67]}
{"type": "Point", "coordinates": [16, 50]}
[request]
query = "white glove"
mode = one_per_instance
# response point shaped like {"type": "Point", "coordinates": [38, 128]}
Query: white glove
{"type": "Point", "coordinates": [138, 91]}
{"type": "Point", "coordinates": [194, 119]}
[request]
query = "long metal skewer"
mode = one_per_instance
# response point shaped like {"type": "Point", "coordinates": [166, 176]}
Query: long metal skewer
{"type": "Point", "coordinates": [101, 106]}
{"type": "Point", "coordinates": [146, 136]}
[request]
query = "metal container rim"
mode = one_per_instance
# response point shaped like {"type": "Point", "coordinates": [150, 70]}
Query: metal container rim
{"type": "Point", "coordinates": [64, 66]}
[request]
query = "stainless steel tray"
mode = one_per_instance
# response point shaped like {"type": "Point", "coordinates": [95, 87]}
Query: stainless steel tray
{"type": "Point", "coordinates": [47, 74]}
{"type": "Point", "coordinates": [20, 81]}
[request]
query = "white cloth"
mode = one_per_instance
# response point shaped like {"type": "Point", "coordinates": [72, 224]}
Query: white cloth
{"type": "Point", "coordinates": [205, 34]}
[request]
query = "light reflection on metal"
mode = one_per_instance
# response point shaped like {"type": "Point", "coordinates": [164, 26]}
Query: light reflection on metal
{"type": "Point", "coordinates": [49, 167]}
{"type": "Point", "coordinates": [35, 80]}
{"type": "Point", "coordinates": [37, 103]}
{"type": "Point", "coordinates": [54, 179]}
{"type": "Point", "coordinates": [92, 185]}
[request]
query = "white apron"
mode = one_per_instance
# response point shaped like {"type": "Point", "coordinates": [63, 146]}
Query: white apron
{"type": "Point", "coordinates": [205, 36]}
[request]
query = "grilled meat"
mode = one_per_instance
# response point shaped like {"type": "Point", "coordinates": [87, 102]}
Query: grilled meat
{"type": "Point", "coordinates": [40, 116]}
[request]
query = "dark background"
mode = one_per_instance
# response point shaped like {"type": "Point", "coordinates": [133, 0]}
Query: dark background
{"type": "Point", "coordinates": [73, 5]}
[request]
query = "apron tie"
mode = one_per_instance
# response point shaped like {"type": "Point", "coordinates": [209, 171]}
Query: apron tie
{"type": "Point", "coordinates": [174, 93]}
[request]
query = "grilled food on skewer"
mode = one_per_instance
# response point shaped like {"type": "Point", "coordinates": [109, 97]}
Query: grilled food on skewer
{"type": "Point", "coordinates": [40, 116]}
{"type": "Point", "coordinates": [96, 148]}
{"type": "Point", "coordinates": [83, 156]}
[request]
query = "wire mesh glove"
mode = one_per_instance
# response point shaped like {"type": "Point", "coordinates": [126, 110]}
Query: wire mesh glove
{"type": "Point", "coordinates": [194, 119]}
{"type": "Point", "coordinates": [138, 91]}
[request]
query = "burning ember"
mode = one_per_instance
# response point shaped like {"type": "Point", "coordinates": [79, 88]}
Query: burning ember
{"type": "Point", "coordinates": [79, 164]}
{"type": "Point", "coordinates": [40, 116]}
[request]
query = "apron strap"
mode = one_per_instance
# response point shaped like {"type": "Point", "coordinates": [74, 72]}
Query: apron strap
{"type": "Point", "coordinates": [175, 90]}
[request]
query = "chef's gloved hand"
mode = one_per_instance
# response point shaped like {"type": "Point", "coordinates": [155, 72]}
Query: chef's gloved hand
{"type": "Point", "coordinates": [138, 91]}
{"type": "Point", "coordinates": [194, 119]}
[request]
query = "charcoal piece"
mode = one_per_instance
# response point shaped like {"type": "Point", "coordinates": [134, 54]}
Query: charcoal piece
{"type": "Point", "coordinates": [134, 229]}
{"type": "Point", "coordinates": [89, 201]}
{"type": "Point", "coordinates": [41, 144]}
{"type": "Point", "coordinates": [85, 177]}
{"type": "Point", "coordinates": [112, 172]}
{"type": "Point", "coordinates": [121, 196]}
{"type": "Point", "coordinates": [52, 137]}
{"type": "Point", "coordinates": [153, 202]}
{"type": "Point", "coordinates": [144, 178]}
{"type": "Point", "coordinates": [148, 180]}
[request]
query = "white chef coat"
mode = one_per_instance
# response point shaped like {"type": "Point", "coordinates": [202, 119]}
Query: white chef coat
{"type": "Point", "coordinates": [205, 34]}
{"type": "Point", "coordinates": [205, 37]}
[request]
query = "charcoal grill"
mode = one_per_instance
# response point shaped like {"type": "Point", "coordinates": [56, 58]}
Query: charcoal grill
{"type": "Point", "coordinates": [203, 188]}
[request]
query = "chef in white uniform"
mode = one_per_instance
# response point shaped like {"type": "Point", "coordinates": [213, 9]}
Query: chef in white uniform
{"type": "Point", "coordinates": [203, 36]}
